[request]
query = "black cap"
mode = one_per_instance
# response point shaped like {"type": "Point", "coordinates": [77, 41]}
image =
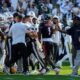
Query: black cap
{"type": "Point", "coordinates": [76, 18]}
{"type": "Point", "coordinates": [15, 14]}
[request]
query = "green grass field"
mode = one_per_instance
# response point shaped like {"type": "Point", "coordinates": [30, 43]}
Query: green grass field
{"type": "Point", "coordinates": [38, 77]}
{"type": "Point", "coordinates": [64, 75]}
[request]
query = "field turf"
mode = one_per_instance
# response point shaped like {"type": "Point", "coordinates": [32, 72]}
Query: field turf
{"type": "Point", "coordinates": [64, 75]}
{"type": "Point", "coordinates": [37, 77]}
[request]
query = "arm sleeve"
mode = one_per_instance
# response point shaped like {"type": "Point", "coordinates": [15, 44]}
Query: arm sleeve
{"type": "Point", "coordinates": [70, 31]}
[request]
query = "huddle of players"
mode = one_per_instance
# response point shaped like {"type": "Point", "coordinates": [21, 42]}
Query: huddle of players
{"type": "Point", "coordinates": [25, 39]}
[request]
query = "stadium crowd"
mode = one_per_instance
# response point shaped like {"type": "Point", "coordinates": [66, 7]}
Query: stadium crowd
{"type": "Point", "coordinates": [39, 33]}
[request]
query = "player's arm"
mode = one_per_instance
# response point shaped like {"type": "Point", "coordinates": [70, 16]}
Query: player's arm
{"type": "Point", "coordinates": [63, 31]}
{"type": "Point", "coordinates": [57, 28]}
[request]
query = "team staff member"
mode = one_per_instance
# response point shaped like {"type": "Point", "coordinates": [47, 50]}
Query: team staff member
{"type": "Point", "coordinates": [74, 31]}
{"type": "Point", "coordinates": [9, 40]}
{"type": "Point", "coordinates": [17, 32]}
{"type": "Point", "coordinates": [9, 45]}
